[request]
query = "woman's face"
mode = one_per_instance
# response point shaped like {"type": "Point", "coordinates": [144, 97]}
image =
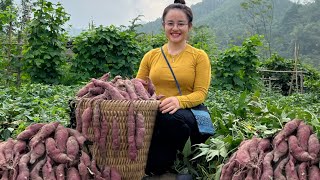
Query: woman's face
{"type": "Point", "coordinates": [176, 26]}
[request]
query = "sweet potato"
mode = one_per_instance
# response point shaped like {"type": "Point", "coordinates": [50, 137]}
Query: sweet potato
{"type": "Point", "coordinates": [47, 170]}
{"type": "Point", "coordinates": [303, 134]}
{"type": "Point", "coordinates": [151, 88]}
{"type": "Point", "coordinates": [72, 148]}
{"type": "Point", "coordinates": [54, 153]}
{"type": "Point", "coordinates": [253, 151]}
{"type": "Point", "coordinates": [86, 120]}
{"type": "Point", "coordinates": [239, 175]}
{"type": "Point", "coordinates": [96, 90]}
{"type": "Point", "coordinates": [19, 147]}
{"type": "Point", "coordinates": [280, 150]}
{"type": "Point", "coordinates": [85, 89]}
{"type": "Point", "coordinates": [7, 151]}
{"type": "Point", "coordinates": [131, 124]}
{"type": "Point", "coordinates": [34, 174]}
{"type": "Point", "coordinates": [43, 133]}
{"type": "Point", "coordinates": [61, 136]}
{"type": "Point", "coordinates": [313, 146]}
{"type": "Point", "coordinates": [116, 78]}
{"type": "Point", "coordinates": [140, 131]}
{"type": "Point", "coordinates": [59, 172]}
{"type": "Point", "coordinates": [83, 171]}
{"type": "Point", "coordinates": [227, 171]}
{"type": "Point", "coordinates": [105, 77]}
{"type": "Point", "coordinates": [249, 175]}
{"type": "Point", "coordinates": [113, 91]}
{"type": "Point", "coordinates": [287, 130]}
{"type": "Point", "coordinates": [23, 167]}
{"type": "Point", "coordinates": [37, 152]}
{"type": "Point", "coordinates": [125, 94]}
{"type": "Point", "coordinates": [278, 171]}
{"type": "Point", "coordinates": [302, 171]}
{"type": "Point", "coordinates": [2, 157]}
{"type": "Point", "coordinates": [80, 138]}
{"type": "Point", "coordinates": [96, 121]}
{"type": "Point", "coordinates": [103, 135]}
{"type": "Point", "coordinates": [106, 173]}
{"type": "Point", "coordinates": [130, 89]}
{"type": "Point", "coordinates": [140, 90]}
{"type": "Point", "coordinates": [267, 172]}
{"type": "Point", "coordinates": [104, 95]}
{"type": "Point", "coordinates": [78, 118]}
{"type": "Point", "coordinates": [115, 175]}
{"type": "Point", "coordinates": [243, 156]}
{"type": "Point", "coordinates": [94, 169]}
{"type": "Point", "coordinates": [290, 170]}
{"type": "Point", "coordinates": [4, 175]}
{"type": "Point", "coordinates": [314, 173]}
{"type": "Point", "coordinates": [30, 131]}
{"type": "Point", "coordinates": [85, 159]}
{"type": "Point", "coordinates": [297, 151]}
{"type": "Point", "coordinates": [115, 134]}
{"type": "Point", "coordinates": [264, 145]}
{"type": "Point", "coordinates": [119, 84]}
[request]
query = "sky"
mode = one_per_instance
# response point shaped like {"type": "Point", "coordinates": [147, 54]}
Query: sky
{"type": "Point", "coordinates": [116, 12]}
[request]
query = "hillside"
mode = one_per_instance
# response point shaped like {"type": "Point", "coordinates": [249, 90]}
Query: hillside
{"type": "Point", "coordinates": [290, 23]}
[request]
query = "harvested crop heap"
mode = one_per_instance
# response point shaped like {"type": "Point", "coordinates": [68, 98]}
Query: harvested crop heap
{"type": "Point", "coordinates": [292, 154]}
{"type": "Point", "coordinates": [118, 116]}
{"type": "Point", "coordinates": [49, 151]}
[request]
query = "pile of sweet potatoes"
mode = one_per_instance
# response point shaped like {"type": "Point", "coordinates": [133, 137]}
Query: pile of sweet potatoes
{"type": "Point", "coordinates": [50, 151]}
{"type": "Point", "coordinates": [293, 154]}
{"type": "Point", "coordinates": [93, 120]}
{"type": "Point", "coordinates": [118, 89]}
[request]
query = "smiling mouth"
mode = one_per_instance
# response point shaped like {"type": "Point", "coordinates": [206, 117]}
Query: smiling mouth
{"type": "Point", "coordinates": [175, 34]}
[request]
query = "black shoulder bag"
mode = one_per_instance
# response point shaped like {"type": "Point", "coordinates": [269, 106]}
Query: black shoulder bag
{"type": "Point", "coordinates": [200, 112]}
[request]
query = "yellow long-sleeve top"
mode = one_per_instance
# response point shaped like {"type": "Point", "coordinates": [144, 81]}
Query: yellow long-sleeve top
{"type": "Point", "coordinates": [191, 67]}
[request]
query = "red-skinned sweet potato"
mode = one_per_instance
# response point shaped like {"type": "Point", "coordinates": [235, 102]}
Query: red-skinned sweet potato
{"type": "Point", "coordinates": [140, 130]}
{"type": "Point", "coordinates": [61, 136]}
{"type": "Point", "coordinates": [287, 130]}
{"type": "Point", "coordinates": [267, 172]}
{"type": "Point", "coordinates": [72, 148]}
{"type": "Point", "coordinates": [43, 133]}
{"type": "Point", "coordinates": [314, 173]}
{"type": "Point", "coordinates": [297, 152]}
{"type": "Point", "coordinates": [54, 153]}
{"type": "Point", "coordinates": [313, 145]}
{"type": "Point", "coordinates": [34, 174]}
{"type": "Point", "coordinates": [59, 172]}
{"type": "Point", "coordinates": [303, 134]}
{"type": "Point", "coordinates": [24, 172]}
{"type": "Point", "coordinates": [80, 138]}
{"type": "Point", "coordinates": [47, 170]}
{"type": "Point", "coordinates": [302, 171]}
{"type": "Point", "coordinates": [37, 152]}
{"type": "Point", "coordinates": [86, 120]}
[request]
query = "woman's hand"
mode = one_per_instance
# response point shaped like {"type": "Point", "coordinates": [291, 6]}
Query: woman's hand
{"type": "Point", "coordinates": [170, 104]}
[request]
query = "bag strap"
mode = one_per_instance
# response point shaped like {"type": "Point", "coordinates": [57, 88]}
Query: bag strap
{"type": "Point", "coordinates": [175, 79]}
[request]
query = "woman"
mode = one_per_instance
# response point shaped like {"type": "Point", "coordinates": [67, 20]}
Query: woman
{"type": "Point", "coordinates": [175, 122]}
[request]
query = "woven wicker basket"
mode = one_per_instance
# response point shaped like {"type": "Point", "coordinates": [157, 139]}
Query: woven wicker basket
{"type": "Point", "coordinates": [119, 159]}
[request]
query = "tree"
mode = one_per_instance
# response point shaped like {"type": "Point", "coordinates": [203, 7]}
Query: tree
{"type": "Point", "coordinates": [45, 51]}
{"type": "Point", "coordinates": [258, 16]}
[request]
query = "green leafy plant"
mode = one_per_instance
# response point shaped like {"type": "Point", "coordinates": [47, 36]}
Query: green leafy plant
{"type": "Point", "coordinates": [32, 103]}
{"type": "Point", "coordinates": [236, 68]}
{"type": "Point", "coordinates": [105, 49]}
{"type": "Point", "coordinates": [45, 50]}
